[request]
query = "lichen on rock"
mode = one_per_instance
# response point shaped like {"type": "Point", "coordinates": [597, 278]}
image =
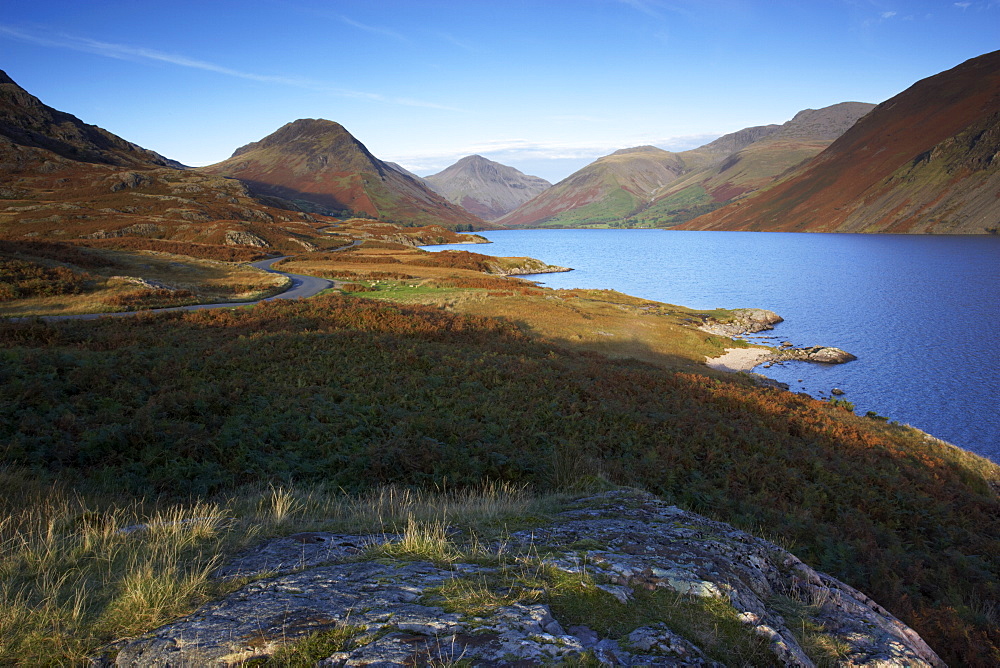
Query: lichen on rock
{"type": "Point", "coordinates": [620, 578]}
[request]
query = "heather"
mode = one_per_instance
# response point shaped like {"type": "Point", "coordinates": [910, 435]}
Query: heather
{"type": "Point", "coordinates": [357, 394]}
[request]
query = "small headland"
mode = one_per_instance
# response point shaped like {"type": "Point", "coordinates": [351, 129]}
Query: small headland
{"type": "Point", "coordinates": [751, 320]}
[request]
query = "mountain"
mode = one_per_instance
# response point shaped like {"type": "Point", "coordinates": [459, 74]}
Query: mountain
{"type": "Point", "coordinates": [403, 170]}
{"type": "Point", "coordinates": [606, 190]}
{"type": "Point", "coordinates": [320, 166]}
{"type": "Point", "coordinates": [486, 188]}
{"type": "Point", "coordinates": [626, 188]}
{"type": "Point", "coordinates": [31, 131]}
{"type": "Point", "coordinates": [748, 160]}
{"type": "Point", "coordinates": [61, 178]}
{"type": "Point", "coordinates": [925, 161]}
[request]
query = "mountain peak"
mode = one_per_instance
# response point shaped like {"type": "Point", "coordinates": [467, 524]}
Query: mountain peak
{"type": "Point", "coordinates": [4, 79]}
{"type": "Point", "coordinates": [318, 164]}
{"type": "Point", "coordinates": [318, 132]}
{"type": "Point", "coordinates": [639, 149]}
{"type": "Point", "coordinates": [484, 187]}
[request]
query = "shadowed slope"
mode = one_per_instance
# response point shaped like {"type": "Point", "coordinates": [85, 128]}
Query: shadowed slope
{"type": "Point", "coordinates": [26, 123]}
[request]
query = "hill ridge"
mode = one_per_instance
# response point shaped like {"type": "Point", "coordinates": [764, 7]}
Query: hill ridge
{"type": "Point", "coordinates": [899, 169]}
{"type": "Point", "coordinates": [319, 165]}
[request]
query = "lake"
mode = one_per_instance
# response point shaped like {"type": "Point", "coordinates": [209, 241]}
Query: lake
{"type": "Point", "coordinates": [920, 312]}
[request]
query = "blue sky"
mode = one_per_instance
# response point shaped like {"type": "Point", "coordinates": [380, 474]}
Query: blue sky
{"type": "Point", "coordinates": [546, 86]}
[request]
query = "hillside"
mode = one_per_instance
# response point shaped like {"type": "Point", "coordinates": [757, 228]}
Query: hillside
{"type": "Point", "coordinates": [606, 190]}
{"type": "Point", "coordinates": [63, 179]}
{"type": "Point", "coordinates": [921, 162]}
{"type": "Point", "coordinates": [30, 132]}
{"type": "Point", "coordinates": [486, 188]}
{"type": "Point", "coordinates": [704, 178]}
{"type": "Point", "coordinates": [320, 166]}
{"type": "Point", "coordinates": [767, 153]}
{"type": "Point", "coordinates": [417, 396]}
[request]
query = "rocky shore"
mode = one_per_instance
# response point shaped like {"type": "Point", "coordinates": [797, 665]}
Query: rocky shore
{"type": "Point", "coordinates": [526, 266]}
{"type": "Point", "coordinates": [749, 321]}
{"type": "Point", "coordinates": [620, 578]}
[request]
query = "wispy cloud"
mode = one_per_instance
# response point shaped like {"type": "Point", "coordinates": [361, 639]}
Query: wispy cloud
{"type": "Point", "coordinates": [580, 118]}
{"type": "Point", "coordinates": [375, 30]}
{"type": "Point", "coordinates": [643, 6]}
{"type": "Point", "coordinates": [888, 15]}
{"type": "Point", "coordinates": [963, 5]}
{"type": "Point", "coordinates": [460, 43]}
{"type": "Point", "coordinates": [517, 150]}
{"type": "Point", "coordinates": [141, 54]}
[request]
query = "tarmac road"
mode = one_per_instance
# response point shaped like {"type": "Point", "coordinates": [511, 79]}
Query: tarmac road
{"type": "Point", "coordinates": [301, 288]}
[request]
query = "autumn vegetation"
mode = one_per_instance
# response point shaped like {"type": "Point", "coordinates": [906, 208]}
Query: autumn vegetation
{"type": "Point", "coordinates": [441, 375]}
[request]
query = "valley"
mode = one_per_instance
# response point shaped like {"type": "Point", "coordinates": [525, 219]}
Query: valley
{"type": "Point", "coordinates": [444, 380]}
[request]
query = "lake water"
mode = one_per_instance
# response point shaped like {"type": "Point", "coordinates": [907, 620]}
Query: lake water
{"type": "Point", "coordinates": [920, 312]}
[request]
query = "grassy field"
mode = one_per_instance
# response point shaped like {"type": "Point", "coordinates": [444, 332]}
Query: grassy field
{"type": "Point", "coordinates": [601, 321]}
{"type": "Point", "coordinates": [449, 375]}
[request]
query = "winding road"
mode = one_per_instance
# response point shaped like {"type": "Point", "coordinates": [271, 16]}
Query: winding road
{"type": "Point", "coordinates": [301, 288]}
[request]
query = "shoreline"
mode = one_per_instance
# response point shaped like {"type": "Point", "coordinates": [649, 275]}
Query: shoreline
{"type": "Point", "coordinates": [736, 360]}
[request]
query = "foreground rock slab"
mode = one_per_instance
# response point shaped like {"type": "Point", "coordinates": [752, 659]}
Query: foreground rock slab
{"type": "Point", "coordinates": [623, 547]}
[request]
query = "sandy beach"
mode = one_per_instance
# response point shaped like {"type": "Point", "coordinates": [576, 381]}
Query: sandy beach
{"type": "Point", "coordinates": [738, 359]}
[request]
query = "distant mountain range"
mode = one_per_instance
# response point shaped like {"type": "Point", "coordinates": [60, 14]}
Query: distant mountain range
{"type": "Point", "coordinates": [320, 166]}
{"type": "Point", "coordinates": [928, 160]}
{"type": "Point", "coordinates": [925, 161]}
{"type": "Point", "coordinates": [486, 188]}
{"type": "Point", "coordinates": [651, 187]}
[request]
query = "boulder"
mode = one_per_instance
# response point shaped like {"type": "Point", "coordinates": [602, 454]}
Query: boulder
{"type": "Point", "coordinates": [742, 321]}
{"type": "Point", "coordinates": [621, 547]}
{"type": "Point", "coordinates": [241, 238]}
{"type": "Point", "coordinates": [821, 354]}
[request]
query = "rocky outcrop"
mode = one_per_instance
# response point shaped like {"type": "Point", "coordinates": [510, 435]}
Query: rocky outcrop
{"type": "Point", "coordinates": [137, 230]}
{"type": "Point", "coordinates": [528, 266]}
{"type": "Point", "coordinates": [539, 597]}
{"type": "Point", "coordinates": [241, 238]}
{"type": "Point", "coordinates": [749, 320]}
{"type": "Point", "coordinates": [742, 321]}
{"type": "Point", "coordinates": [822, 354]}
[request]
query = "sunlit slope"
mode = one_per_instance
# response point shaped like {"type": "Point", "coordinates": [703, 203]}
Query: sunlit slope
{"type": "Point", "coordinates": [606, 190]}
{"type": "Point", "coordinates": [63, 179]}
{"type": "Point", "coordinates": [618, 189]}
{"type": "Point", "coordinates": [488, 189]}
{"type": "Point", "coordinates": [319, 165]}
{"type": "Point", "coordinates": [751, 167]}
{"type": "Point", "coordinates": [925, 161]}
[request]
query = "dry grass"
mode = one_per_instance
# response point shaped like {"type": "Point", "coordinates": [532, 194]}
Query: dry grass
{"type": "Point", "coordinates": [76, 574]}
{"type": "Point", "coordinates": [75, 577]}
{"type": "Point", "coordinates": [600, 321]}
